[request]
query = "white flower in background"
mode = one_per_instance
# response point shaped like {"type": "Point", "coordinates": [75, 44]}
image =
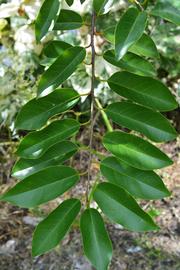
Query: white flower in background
{"type": "Point", "coordinates": [9, 9]}
{"type": "Point", "coordinates": [31, 8]}
{"type": "Point", "coordinates": [25, 40]}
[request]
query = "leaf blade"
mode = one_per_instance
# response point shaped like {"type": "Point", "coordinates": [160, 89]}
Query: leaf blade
{"type": "Point", "coordinates": [129, 29]}
{"type": "Point", "coordinates": [48, 10]}
{"type": "Point", "coordinates": [55, 155]}
{"type": "Point", "coordinates": [68, 20]}
{"type": "Point", "coordinates": [36, 112]}
{"type": "Point", "coordinates": [121, 208]}
{"type": "Point", "coordinates": [36, 143]}
{"type": "Point", "coordinates": [146, 91]}
{"type": "Point", "coordinates": [96, 242]}
{"type": "Point", "coordinates": [141, 184]}
{"type": "Point", "coordinates": [132, 63]}
{"type": "Point", "coordinates": [42, 187]}
{"type": "Point", "coordinates": [167, 11]}
{"type": "Point", "coordinates": [135, 151]}
{"type": "Point", "coordinates": [152, 124]}
{"type": "Point", "coordinates": [52, 229]}
{"type": "Point", "coordinates": [61, 69]}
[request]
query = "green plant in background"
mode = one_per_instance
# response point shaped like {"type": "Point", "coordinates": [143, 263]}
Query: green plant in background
{"type": "Point", "coordinates": [129, 171]}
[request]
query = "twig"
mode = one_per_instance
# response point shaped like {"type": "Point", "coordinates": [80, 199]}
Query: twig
{"type": "Point", "coordinates": [92, 103]}
{"type": "Point", "coordinates": [104, 115]}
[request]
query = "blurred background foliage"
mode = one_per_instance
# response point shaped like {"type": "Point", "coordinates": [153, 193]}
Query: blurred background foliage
{"type": "Point", "coordinates": [21, 57]}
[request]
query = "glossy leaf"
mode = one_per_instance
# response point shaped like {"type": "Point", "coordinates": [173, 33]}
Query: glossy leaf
{"type": "Point", "coordinates": [52, 229]}
{"type": "Point", "coordinates": [42, 186]}
{"type": "Point", "coordinates": [47, 15]}
{"type": "Point", "coordinates": [69, 2]}
{"type": "Point", "coordinates": [135, 151]}
{"type": "Point", "coordinates": [55, 48]}
{"type": "Point", "coordinates": [96, 242]}
{"type": "Point", "coordinates": [150, 123]}
{"type": "Point", "coordinates": [132, 63]}
{"type": "Point", "coordinates": [144, 90]}
{"type": "Point", "coordinates": [36, 143]}
{"type": "Point", "coordinates": [129, 29]}
{"type": "Point", "coordinates": [120, 207]}
{"type": "Point", "coordinates": [140, 184]}
{"type": "Point", "coordinates": [36, 112]}
{"type": "Point", "coordinates": [102, 6]}
{"type": "Point", "coordinates": [68, 20]}
{"type": "Point", "coordinates": [166, 11]}
{"type": "Point", "coordinates": [145, 46]}
{"type": "Point", "coordinates": [61, 69]}
{"type": "Point", "coordinates": [55, 155]}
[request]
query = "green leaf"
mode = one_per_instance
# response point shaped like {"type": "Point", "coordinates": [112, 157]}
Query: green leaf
{"type": "Point", "coordinates": [36, 112]}
{"type": "Point", "coordinates": [129, 29]}
{"type": "Point", "coordinates": [144, 90]}
{"type": "Point", "coordinates": [120, 207]}
{"type": "Point", "coordinates": [96, 242]}
{"type": "Point", "coordinates": [166, 11]}
{"type": "Point", "coordinates": [47, 15]}
{"type": "Point", "coordinates": [55, 155]}
{"type": "Point", "coordinates": [68, 20]}
{"type": "Point", "coordinates": [109, 34]}
{"type": "Point", "coordinates": [61, 69]}
{"type": "Point", "coordinates": [102, 6]}
{"type": "Point", "coordinates": [141, 184]}
{"type": "Point", "coordinates": [36, 143]}
{"type": "Point", "coordinates": [152, 124]}
{"type": "Point", "coordinates": [52, 229]}
{"type": "Point", "coordinates": [132, 63]}
{"type": "Point", "coordinates": [55, 48]}
{"type": "Point", "coordinates": [42, 186]}
{"type": "Point", "coordinates": [69, 2]}
{"type": "Point", "coordinates": [135, 151]}
{"type": "Point", "coordinates": [145, 46]}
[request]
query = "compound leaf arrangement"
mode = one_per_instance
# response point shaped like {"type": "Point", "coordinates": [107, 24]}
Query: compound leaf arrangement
{"type": "Point", "coordinates": [128, 169]}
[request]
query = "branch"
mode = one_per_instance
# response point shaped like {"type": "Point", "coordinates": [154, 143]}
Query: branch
{"type": "Point", "coordinates": [92, 103]}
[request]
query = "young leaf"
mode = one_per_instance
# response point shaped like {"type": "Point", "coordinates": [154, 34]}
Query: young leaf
{"type": "Point", "coordinates": [144, 90]}
{"type": "Point", "coordinates": [166, 11]}
{"type": "Point", "coordinates": [42, 186]}
{"type": "Point", "coordinates": [129, 29]}
{"type": "Point", "coordinates": [55, 155]}
{"type": "Point", "coordinates": [140, 184]}
{"type": "Point", "coordinates": [55, 48]}
{"type": "Point", "coordinates": [36, 143]}
{"type": "Point", "coordinates": [47, 15]}
{"type": "Point", "coordinates": [68, 20]}
{"type": "Point", "coordinates": [102, 6]}
{"type": "Point", "coordinates": [36, 112]}
{"type": "Point", "coordinates": [96, 242]}
{"type": "Point", "coordinates": [61, 69]}
{"type": "Point", "coordinates": [52, 229]}
{"type": "Point", "coordinates": [120, 207]}
{"type": "Point", "coordinates": [145, 46]}
{"type": "Point", "coordinates": [132, 63]}
{"type": "Point", "coordinates": [150, 123]}
{"type": "Point", "coordinates": [135, 151]}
